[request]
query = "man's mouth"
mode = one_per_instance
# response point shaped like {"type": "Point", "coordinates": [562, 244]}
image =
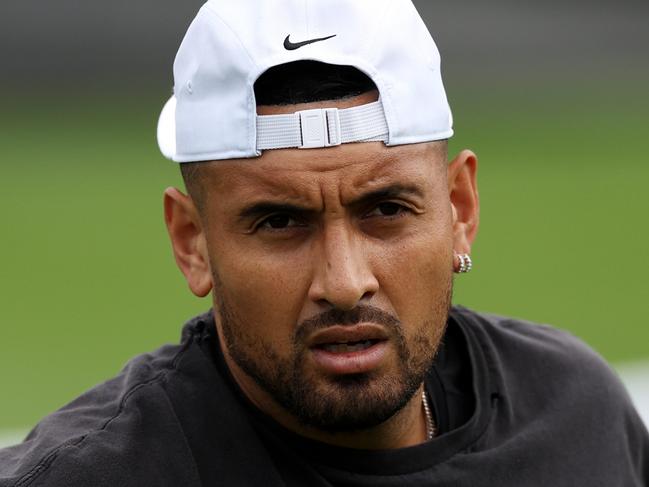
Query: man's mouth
{"type": "Point", "coordinates": [350, 349]}
{"type": "Point", "coordinates": [347, 347]}
{"type": "Point", "coordinates": [359, 335]}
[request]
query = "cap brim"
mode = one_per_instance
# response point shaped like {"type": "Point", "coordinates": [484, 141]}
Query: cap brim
{"type": "Point", "coordinates": [167, 129]}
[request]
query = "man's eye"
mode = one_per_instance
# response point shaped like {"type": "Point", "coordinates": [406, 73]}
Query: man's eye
{"type": "Point", "coordinates": [387, 209]}
{"type": "Point", "coordinates": [277, 222]}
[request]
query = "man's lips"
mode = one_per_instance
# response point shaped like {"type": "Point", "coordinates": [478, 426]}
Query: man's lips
{"type": "Point", "coordinates": [350, 349]}
{"type": "Point", "coordinates": [339, 334]}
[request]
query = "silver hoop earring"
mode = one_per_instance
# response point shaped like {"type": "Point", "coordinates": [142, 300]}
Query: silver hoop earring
{"type": "Point", "coordinates": [466, 264]}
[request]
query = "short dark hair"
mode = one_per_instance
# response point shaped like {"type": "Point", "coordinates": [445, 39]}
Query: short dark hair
{"type": "Point", "coordinates": [309, 82]}
{"type": "Point", "coordinates": [290, 84]}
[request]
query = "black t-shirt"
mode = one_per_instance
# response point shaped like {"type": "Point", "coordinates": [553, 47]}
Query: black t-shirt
{"type": "Point", "coordinates": [517, 404]}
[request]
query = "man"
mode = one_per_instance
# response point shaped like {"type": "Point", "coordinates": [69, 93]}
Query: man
{"type": "Point", "coordinates": [324, 220]}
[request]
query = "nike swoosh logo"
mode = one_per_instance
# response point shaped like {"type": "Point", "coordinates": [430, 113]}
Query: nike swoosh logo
{"type": "Point", "coordinates": [292, 46]}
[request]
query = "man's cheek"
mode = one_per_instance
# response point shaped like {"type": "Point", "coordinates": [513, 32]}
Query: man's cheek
{"type": "Point", "coordinates": [266, 306]}
{"type": "Point", "coordinates": [418, 267]}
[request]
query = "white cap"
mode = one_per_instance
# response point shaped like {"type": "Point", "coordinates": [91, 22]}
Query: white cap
{"type": "Point", "coordinates": [213, 116]}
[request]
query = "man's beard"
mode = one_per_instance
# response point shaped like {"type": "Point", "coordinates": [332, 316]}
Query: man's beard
{"type": "Point", "coordinates": [344, 403]}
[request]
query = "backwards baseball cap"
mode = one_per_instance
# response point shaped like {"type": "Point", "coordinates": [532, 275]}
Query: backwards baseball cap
{"type": "Point", "coordinates": [212, 114]}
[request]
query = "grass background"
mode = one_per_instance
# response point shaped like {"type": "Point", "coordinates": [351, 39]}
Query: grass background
{"type": "Point", "coordinates": [88, 278]}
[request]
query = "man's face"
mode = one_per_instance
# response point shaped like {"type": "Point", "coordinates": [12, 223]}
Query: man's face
{"type": "Point", "coordinates": [332, 274]}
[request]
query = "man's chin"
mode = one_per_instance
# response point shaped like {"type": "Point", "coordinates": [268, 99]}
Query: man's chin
{"type": "Point", "coordinates": [350, 403]}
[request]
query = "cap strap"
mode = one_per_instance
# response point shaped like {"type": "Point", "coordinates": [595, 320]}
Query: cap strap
{"type": "Point", "coordinates": [325, 127]}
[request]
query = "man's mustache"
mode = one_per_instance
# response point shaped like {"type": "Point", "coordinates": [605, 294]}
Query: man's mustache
{"type": "Point", "coordinates": [334, 316]}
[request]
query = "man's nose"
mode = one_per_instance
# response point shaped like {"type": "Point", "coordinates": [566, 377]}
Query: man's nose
{"type": "Point", "coordinates": [343, 275]}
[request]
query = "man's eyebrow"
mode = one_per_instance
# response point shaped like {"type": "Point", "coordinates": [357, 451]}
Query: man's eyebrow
{"type": "Point", "coordinates": [262, 208]}
{"type": "Point", "coordinates": [387, 192]}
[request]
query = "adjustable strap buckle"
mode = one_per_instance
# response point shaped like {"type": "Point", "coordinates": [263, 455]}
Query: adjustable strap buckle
{"type": "Point", "coordinates": [320, 128]}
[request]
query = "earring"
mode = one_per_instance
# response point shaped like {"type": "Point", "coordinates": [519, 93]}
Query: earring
{"type": "Point", "coordinates": [464, 265]}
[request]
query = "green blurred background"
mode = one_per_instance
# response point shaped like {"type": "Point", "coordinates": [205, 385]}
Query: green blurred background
{"type": "Point", "coordinates": [552, 98]}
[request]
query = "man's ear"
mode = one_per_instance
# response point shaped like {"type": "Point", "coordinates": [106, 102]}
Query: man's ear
{"type": "Point", "coordinates": [463, 193]}
{"type": "Point", "coordinates": [188, 240]}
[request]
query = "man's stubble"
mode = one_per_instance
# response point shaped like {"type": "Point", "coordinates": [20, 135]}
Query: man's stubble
{"type": "Point", "coordinates": [345, 403]}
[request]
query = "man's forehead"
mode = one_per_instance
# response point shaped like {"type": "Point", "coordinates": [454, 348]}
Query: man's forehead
{"type": "Point", "coordinates": [294, 174]}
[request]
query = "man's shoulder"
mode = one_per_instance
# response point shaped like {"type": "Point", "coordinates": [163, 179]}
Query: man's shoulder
{"type": "Point", "coordinates": [541, 369]}
{"type": "Point", "coordinates": [557, 397]}
{"type": "Point", "coordinates": [515, 339]}
{"type": "Point", "coordinates": [97, 438]}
